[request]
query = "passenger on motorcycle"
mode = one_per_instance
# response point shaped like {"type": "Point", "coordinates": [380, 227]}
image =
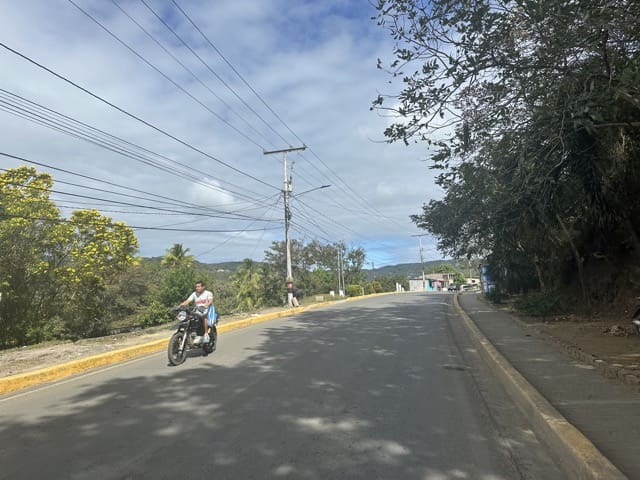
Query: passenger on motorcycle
{"type": "Point", "coordinates": [204, 305]}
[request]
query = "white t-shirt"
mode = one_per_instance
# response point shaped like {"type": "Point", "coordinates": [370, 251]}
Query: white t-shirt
{"type": "Point", "coordinates": [201, 299]}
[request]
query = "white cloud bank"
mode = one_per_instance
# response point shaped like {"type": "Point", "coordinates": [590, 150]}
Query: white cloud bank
{"type": "Point", "coordinates": [314, 63]}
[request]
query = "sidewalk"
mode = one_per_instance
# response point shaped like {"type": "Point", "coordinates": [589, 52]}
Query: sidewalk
{"type": "Point", "coordinates": [607, 412]}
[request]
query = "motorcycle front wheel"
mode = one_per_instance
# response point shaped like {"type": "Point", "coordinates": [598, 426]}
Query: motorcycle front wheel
{"type": "Point", "coordinates": [176, 357]}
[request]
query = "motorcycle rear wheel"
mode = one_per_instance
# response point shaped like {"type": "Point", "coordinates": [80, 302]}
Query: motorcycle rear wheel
{"type": "Point", "coordinates": [210, 346]}
{"type": "Point", "coordinates": [176, 357]}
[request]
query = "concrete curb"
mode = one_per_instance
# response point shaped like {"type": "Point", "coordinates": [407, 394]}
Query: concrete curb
{"type": "Point", "coordinates": [574, 452]}
{"type": "Point", "coordinates": [20, 381]}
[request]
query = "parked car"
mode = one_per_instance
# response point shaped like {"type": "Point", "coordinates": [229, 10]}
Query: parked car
{"type": "Point", "coordinates": [452, 288]}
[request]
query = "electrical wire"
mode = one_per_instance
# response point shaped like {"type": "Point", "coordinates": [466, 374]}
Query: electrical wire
{"type": "Point", "coordinates": [215, 247]}
{"type": "Point", "coordinates": [131, 115]}
{"type": "Point", "coordinates": [209, 215]}
{"type": "Point", "coordinates": [134, 227]}
{"type": "Point", "coordinates": [196, 77]}
{"type": "Point", "coordinates": [269, 126]}
{"type": "Point", "coordinates": [164, 75]}
{"type": "Point", "coordinates": [350, 189]}
{"type": "Point", "coordinates": [39, 114]}
{"type": "Point", "coordinates": [168, 201]}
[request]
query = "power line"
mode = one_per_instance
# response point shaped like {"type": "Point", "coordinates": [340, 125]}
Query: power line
{"type": "Point", "coordinates": [134, 227]}
{"type": "Point", "coordinates": [215, 247]}
{"type": "Point", "coordinates": [209, 67]}
{"type": "Point", "coordinates": [273, 112]}
{"type": "Point", "coordinates": [329, 219]}
{"type": "Point", "coordinates": [196, 77]}
{"type": "Point", "coordinates": [164, 75]}
{"type": "Point", "coordinates": [126, 212]}
{"type": "Point", "coordinates": [131, 115]}
{"type": "Point", "coordinates": [349, 189]}
{"type": "Point", "coordinates": [244, 217]}
{"type": "Point", "coordinates": [206, 38]}
{"type": "Point", "coordinates": [164, 199]}
{"type": "Point", "coordinates": [61, 123]}
{"type": "Point", "coordinates": [106, 143]}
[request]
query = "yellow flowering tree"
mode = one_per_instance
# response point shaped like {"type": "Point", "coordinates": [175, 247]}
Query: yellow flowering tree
{"type": "Point", "coordinates": [98, 249]}
{"type": "Point", "coordinates": [54, 270]}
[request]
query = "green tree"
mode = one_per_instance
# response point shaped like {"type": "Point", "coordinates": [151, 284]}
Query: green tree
{"type": "Point", "coordinates": [177, 256]}
{"type": "Point", "coordinates": [314, 266]}
{"type": "Point", "coordinates": [531, 111]}
{"type": "Point", "coordinates": [248, 284]}
{"type": "Point", "coordinates": [354, 262]}
{"type": "Point", "coordinates": [98, 250]}
{"type": "Point", "coordinates": [177, 285]}
{"type": "Point", "coordinates": [448, 268]}
{"type": "Point", "coordinates": [53, 269]}
{"type": "Point", "coordinates": [30, 232]}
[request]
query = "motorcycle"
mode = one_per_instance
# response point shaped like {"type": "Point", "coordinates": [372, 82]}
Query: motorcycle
{"type": "Point", "coordinates": [635, 320]}
{"type": "Point", "coordinates": [189, 335]}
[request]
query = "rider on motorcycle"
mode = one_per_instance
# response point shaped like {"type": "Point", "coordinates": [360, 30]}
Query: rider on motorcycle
{"type": "Point", "coordinates": [204, 305]}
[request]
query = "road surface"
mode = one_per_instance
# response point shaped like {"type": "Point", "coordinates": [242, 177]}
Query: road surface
{"type": "Point", "coordinates": [386, 387]}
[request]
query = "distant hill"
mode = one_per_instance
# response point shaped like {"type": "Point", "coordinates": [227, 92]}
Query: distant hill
{"type": "Point", "coordinates": [224, 270]}
{"type": "Point", "coordinates": [406, 269]}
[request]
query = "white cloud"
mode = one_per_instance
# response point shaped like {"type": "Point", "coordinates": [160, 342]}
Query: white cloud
{"type": "Point", "coordinates": [313, 62]}
{"type": "Point", "coordinates": [210, 194]}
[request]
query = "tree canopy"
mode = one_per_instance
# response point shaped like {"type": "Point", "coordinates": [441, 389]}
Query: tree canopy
{"type": "Point", "coordinates": [54, 271]}
{"type": "Point", "coordinates": [531, 111]}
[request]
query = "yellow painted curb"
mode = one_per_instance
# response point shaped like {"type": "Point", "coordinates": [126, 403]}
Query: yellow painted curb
{"type": "Point", "coordinates": [20, 381]}
{"type": "Point", "coordinates": [572, 450]}
{"type": "Point", "coordinates": [24, 380]}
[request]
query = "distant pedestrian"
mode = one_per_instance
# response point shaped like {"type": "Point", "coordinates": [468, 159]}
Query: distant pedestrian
{"type": "Point", "coordinates": [292, 301]}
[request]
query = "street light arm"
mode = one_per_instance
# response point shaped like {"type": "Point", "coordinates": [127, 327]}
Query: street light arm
{"type": "Point", "coordinates": [312, 190]}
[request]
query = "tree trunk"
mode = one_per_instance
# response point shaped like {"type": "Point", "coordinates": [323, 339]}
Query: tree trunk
{"type": "Point", "coordinates": [536, 264]}
{"type": "Point", "coordinates": [578, 259]}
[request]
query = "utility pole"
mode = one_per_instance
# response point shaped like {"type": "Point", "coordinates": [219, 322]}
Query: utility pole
{"type": "Point", "coordinates": [424, 281]}
{"type": "Point", "coordinates": [341, 269]}
{"type": "Point", "coordinates": [373, 282]}
{"type": "Point", "coordinates": [287, 189]}
{"type": "Point", "coordinates": [339, 259]}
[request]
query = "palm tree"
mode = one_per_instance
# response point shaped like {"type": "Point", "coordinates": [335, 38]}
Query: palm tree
{"type": "Point", "coordinates": [176, 256]}
{"type": "Point", "coordinates": [248, 281]}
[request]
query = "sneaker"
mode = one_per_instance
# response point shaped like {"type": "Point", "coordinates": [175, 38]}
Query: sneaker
{"type": "Point", "coordinates": [206, 338]}
{"type": "Point", "coordinates": [197, 340]}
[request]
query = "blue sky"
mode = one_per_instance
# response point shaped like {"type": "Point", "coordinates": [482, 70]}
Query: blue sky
{"type": "Point", "coordinates": [314, 63]}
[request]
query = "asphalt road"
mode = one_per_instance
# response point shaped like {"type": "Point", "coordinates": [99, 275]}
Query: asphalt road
{"type": "Point", "coordinates": [381, 388]}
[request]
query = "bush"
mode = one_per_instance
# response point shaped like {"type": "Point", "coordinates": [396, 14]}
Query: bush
{"type": "Point", "coordinates": [373, 287]}
{"type": "Point", "coordinates": [54, 329]}
{"type": "Point", "coordinates": [539, 304]}
{"type": "Point", "coordinates": [354, 290]}
{"type": "Point", "coordinates": [494, 296]}
{"type": "Point", "coordinates": [177, 285]}
{"type": "Point", "coordinates": [155, 314]}
{"type": "Point", "coordinates": [223, 297]}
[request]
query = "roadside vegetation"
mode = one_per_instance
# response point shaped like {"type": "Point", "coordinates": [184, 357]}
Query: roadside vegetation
{"type": "Point", "coordinates": [531, 111]}
{"type": "Point", "coordinates": [69, 278]}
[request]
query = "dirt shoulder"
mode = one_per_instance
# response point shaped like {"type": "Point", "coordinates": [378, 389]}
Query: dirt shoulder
{"type": "Point", "coordinates": [609, 339]}
{"type": "Point", "coordinates": [25, 359]}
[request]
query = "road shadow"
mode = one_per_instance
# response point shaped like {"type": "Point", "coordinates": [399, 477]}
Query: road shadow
{"type": "Point", "coordinates": [354, 391]}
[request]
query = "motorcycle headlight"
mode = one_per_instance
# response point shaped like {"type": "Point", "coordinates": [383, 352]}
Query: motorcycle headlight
{"type": "Point", "coordinates": [182, 316]}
